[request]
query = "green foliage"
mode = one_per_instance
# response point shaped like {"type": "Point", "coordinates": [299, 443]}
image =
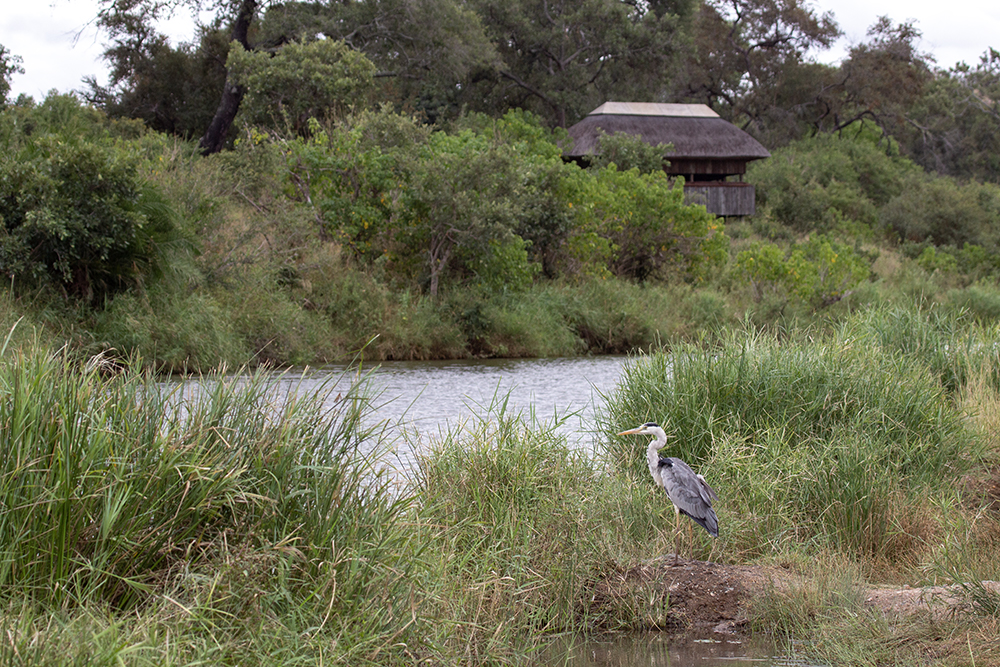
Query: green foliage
{"type": "Point", "coordinates": [177, 333]}
{"type": "Point", "coordinates": [639, 224]}
{"type": "Point", "coordinates": [425, 50]}
{"type": "Point", "coordinates": [434, 206]}
{"type": "Point", "coordinates": [320, 79]}
{"type": "Point", "coordinates": [171, 89]}
{"type": "Point", "coordinates": [954, 125]}
{"type": "Point", "coordinates": [9, 66]}
{"type": "Point", "coordinates": [820, 271]}
{"type": "Point", "coordinates": [75, 213]}
{"type": "Point", "coordinates": [626, 151]}
{"type": "Point", "coordinates": [563, 61]}
{"type": "Point", "coordinates": [504, 267]}
{"type": "Point", "coordinates": [829, 183]}
{"type": "Point", "coordinates": [763, 267]}
{"type": "Point", "coordinates": [931, 260]}
{"type": "Point", "coordinates": [352, 184]}
{"type": "Point", "coordinates": [941, 211]}
{"type": "Point", "coordinates": [814, 439]}
{"type": "Point", "coordinates": [463, 195]}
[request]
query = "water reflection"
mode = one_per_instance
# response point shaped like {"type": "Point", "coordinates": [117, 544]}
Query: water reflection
{"type": "Point", "coordinates": [666, 650]}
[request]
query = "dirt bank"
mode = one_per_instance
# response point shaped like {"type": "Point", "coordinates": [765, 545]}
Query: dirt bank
{"type": "Point", "coordinates": [699, 595]}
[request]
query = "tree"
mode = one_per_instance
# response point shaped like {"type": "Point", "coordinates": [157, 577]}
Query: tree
{"type": "Point", "coordinates": [130, 25]}
{"type": "Point", "coordinates": [423, 49]}
{"type": "Point", "coordinates": [746, 52]}
{"type": "Point", "coordinates": [954, 128]}
{"type": "Point", "coordinates": [881, 79]}
{"type": "Point", "coordinates": [463, 196]}
{"type": "Point", "coordinates": [319, 80]}
{"type": "Point", "coordinates": [626, 151]}
{"type": "Point", "coordinates": [561, 59]}
{"type": "Point", "coordinates": [820, 271]}
{"type": "Point", "coordinates": [174, 90]}
{"type": "Point", "coordinates": [9, 66]}
{"type": "Point", "coordinates": [638, 226]}
{"type": "Point", "coordinates": [232, 92]}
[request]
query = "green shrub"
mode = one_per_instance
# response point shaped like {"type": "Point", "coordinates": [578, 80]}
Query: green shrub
{"type": "Point", "coordinates": [943, 212]}
{"type": "Point", "coordinates": [829, 183]}
{"type": "Point", "coordinates": [820, 271]}
{"type": "Point", "coordinates": [981, 301]}
{"type": "Point", "coordinates": [76, 214]}
{"type": "Point", "coordinates": [174, 332]}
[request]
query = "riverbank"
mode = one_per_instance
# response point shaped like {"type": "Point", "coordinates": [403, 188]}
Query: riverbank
{"type": "Point", "coordinates": [231, 261]}
{"type": "Point", "coordinates": [941, 624]}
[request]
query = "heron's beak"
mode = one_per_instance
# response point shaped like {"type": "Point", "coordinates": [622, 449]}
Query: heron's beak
{"type": "Point", "coordinates": [633, 431]}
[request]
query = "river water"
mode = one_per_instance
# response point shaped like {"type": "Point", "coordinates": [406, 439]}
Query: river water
{"type": "Point", "coordinates": [430, 397]}
{"type": "Point", "coordinates": [659, 649]}
{"type": "Point", "coordinates": [418, 401]}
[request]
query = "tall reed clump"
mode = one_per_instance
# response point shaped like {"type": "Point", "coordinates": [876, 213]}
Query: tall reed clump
{"type": "Point", "coordinates": [524, 527]}
{"type": "Point", "coordinates": [949, 344]}
{"type": "Point", "coordinates": [236, 514]}
{"type": "Point", "coordinates": [832, 443]}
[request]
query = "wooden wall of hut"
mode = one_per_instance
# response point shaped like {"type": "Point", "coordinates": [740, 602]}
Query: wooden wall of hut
{"type": "Point", "coordinates": [720, 198]}
{"type": "Point", "coordinates": [714, 166]}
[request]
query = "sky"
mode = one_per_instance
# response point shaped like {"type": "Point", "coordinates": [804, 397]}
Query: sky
{"type": "Point", "coordinates": [59, 45]}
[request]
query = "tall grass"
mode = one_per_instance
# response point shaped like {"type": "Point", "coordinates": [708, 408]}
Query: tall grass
{"type": "Point", "coordinates": [525, 528]}
{"type": "Point", "coordinates": [233, 510]}
{"type": "Point", "coordinates": [830, 442]}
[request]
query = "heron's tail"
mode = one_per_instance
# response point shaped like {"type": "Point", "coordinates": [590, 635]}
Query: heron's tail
{"type": "Point", "coordinates": [710, 522]}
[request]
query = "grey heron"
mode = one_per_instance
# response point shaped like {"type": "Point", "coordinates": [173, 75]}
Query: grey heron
{"type": "Point", "coordinates": [687, 490]}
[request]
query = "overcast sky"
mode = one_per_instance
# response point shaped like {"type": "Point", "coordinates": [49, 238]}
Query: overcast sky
{"type": "Point", "coordinates": [59, 44]}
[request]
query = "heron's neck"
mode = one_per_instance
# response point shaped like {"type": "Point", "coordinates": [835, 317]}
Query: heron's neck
{"type": "Point", "coordinates": [653, 456]}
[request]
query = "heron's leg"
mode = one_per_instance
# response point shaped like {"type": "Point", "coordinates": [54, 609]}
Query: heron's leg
{"type": "Point", "coordinates": [677, 533]}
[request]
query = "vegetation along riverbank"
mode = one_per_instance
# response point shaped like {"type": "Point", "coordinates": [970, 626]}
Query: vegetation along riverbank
{"type": "Point", "coordinates": [306, 244]}
{"type": "Point", "coordinates": [857, 473]}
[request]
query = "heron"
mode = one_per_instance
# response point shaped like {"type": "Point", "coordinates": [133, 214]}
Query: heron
{"type": "Point", "coordinates": [688, 491]}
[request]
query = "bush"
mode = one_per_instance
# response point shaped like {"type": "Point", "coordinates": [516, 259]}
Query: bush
{"type": "Point", "coordinates": [75, 214]}
{"type": "Point", "coordinates": [74, 211]}
{"type": "Point", "coordinates": [941, 211]}
{"type": "Point", "coordinates": [829, 183]}
{"type": "Point", "coordinates": [176, 333]}
{"type": "Point", "coordinates": [820, 271]}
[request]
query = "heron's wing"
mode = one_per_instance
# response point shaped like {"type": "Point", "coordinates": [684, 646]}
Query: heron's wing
{"type": "Point", "coordinates": [689, 492]}
{"type": "Point", "coordinates": [707, 491]}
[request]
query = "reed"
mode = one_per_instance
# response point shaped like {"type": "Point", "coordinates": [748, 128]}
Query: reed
{"type": "Point", "coordinates": [220, 515]}
{"type": "Point", "coordinates": [525, 526]}
{"type": "Point", "coordinates": [833, 441]}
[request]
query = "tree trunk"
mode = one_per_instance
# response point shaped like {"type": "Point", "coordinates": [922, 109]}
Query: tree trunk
{"type": "Point", "coordinates": [232, 95]}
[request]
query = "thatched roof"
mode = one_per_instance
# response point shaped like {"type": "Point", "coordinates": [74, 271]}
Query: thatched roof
{"type": "Point", "coordinates": [694, 130]}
